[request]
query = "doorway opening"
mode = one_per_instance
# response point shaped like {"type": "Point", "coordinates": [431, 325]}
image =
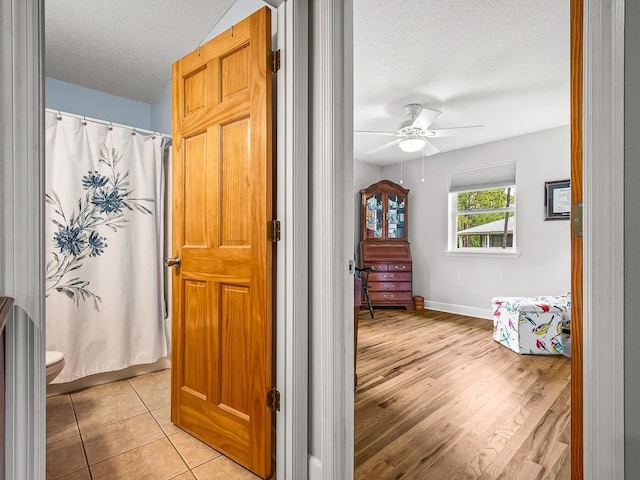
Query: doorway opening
{"type": "Point", "coordinates": [440, 277]}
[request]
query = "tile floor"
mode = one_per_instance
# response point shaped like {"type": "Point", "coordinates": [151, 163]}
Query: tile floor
{"type": "Point", "coordinates": [122, 430]}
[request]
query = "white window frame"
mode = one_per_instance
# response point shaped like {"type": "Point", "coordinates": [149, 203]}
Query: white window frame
{"type": "Point", "coordinates": [453, 224]}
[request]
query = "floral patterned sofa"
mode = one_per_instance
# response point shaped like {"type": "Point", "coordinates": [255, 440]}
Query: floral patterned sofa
{"type": "Point", "coordinates": [530, 325]}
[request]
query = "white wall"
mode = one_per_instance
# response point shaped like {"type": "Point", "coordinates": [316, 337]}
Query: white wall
{"type": "Point", "coordinates": [364, 174]}
{"type": "Point", "coordinates": [466, 284]}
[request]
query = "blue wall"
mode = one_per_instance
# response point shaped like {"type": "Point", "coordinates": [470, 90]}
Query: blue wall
{"type": "Point", "coordinates": [71, 98]}
{"type": "Point", "coordinates": [161, 111]}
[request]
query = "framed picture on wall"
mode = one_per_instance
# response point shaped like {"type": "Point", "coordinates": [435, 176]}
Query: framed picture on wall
{"type": "Point", "coordinates": [557, 200]}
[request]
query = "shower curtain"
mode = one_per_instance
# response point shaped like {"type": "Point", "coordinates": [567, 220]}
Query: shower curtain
{"type": "Point", "coordinates": [104, 243]}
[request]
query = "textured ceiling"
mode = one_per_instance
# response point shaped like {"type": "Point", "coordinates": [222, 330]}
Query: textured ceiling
{"type": "Point", "coordinates": [124, 47]}
{"type": "Point", "coordinates": [499, 63]}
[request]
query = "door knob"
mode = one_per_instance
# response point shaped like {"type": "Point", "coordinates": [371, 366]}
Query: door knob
{"type": "Point", "coordinates": [172, 262]}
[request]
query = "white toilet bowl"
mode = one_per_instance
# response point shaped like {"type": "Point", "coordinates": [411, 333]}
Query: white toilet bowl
{"type": "Point", "coordinates": [55, 364]}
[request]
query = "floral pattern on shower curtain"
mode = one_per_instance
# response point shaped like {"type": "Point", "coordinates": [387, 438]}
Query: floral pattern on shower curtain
{"type": "Point", "coordinates": [104, 239]}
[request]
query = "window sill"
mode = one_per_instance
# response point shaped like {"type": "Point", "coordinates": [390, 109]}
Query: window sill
{"type": "Point", "coordinates": [482, 253]}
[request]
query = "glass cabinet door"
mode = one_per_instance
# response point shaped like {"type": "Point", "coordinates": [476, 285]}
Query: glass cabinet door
{"type": "Point", "coordinates": [373, 221]}
{"type": "Point", "coordinates": [395, 216]}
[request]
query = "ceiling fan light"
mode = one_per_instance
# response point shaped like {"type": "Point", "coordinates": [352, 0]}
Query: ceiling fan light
{"type": "Point", "coordinates": [412, 144]}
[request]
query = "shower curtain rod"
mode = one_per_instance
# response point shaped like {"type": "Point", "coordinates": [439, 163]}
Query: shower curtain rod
{"type": "Point", "coordinates": [111, 124]}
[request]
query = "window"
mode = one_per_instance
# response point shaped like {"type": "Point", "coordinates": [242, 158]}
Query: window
{"type": "Point", "coordinates": [483, 205]}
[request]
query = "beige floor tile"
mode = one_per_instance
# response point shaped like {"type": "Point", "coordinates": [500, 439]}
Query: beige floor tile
{"type": "Point", "coordinates": [106, 404]}
{"type": "Point", "coordinates": [61, 421]}
{"type": "Point", "coordinates": [64, 457]}
{"type": "Point", "coordinates": [154, 461]}
{"type": "Point", "coordinates": [111, 440]}
{"type": "Point", "coordinates": [185, 476]}
{"type": "Point", "coordinates": [163, 416]}
{"type": "Point", "coordinates": [221, 468]}
{"type": "Point", "coordinates": [79, 475]}
{"type": "Point", "coordinates": [154, 388]}
{"type": "Point", "coordinates": [192, 450]}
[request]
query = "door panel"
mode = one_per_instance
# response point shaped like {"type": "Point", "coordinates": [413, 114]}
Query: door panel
{"type": "Point", "coordinates": [577, 456]}
{"type": "Point", "coordinates": [222, 177]}
{"type": "Point", "coordinates": [195, 191]}
{"type": "Point", "coordinates": [234, 199]}
{"type": "Point", "coordinates": [197, 338]}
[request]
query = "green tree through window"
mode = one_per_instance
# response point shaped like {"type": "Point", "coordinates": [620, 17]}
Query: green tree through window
{"type": "Point", "coordinates": [474, 209]}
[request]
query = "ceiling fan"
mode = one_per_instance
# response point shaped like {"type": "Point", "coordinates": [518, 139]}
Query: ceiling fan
{"type": "Point", "coordinates": [414, 134]}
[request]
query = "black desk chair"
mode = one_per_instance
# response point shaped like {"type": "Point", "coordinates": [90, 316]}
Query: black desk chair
{"type": "Point", "coordinates": [363, 273]}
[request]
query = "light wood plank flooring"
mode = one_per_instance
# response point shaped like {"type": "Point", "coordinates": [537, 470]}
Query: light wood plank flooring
{"type": "Point", "coordinates": [439, 399]}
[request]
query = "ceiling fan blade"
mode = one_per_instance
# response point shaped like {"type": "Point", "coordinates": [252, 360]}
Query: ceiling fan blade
{"type": "Point", "coordinates": [429, 148]}
{"type": "Point", "coordinates": [382, 147]}
{"type": "Point", "coordinates": [369, 132]}
{"type": "Point", "coordinates": [425, 118]}
{"type": "Point", "coordinates": [450, 132]}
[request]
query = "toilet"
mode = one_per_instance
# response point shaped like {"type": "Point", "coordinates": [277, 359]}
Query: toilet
{"type": "Point", "coordinates": [55, 364]}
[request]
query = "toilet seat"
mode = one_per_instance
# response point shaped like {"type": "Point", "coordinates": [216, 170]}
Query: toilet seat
{"type": "Point", "coordinates": [55, 364]}
{"type": "Point", "coordinates": [53, 357]}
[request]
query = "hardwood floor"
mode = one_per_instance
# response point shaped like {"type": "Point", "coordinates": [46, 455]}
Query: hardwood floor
{"type": "Point", "coordinates": [438, 399]}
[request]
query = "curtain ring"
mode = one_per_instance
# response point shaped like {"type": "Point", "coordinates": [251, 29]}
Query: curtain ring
{"type": "Point", "coordinates": [134, 131]}
{"type": "Point", "coordinates": [59, 116]}
{"type": "Point", "coordinates": [84, 120]}
{"type": "Point", "coordinates": [110, 126]}
{"type": "Point", "coordinates": [153, 137]}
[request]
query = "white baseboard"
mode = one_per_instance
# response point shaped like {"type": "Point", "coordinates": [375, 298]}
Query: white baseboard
{"type": "Point", "coordinates": [315, 468]}
{"type": "Point", "coordinates": [485, 313]}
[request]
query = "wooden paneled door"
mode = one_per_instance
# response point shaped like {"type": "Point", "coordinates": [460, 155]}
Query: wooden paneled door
{"type": "Point", "coordinates": [577, 442]}
{"type": "Point", "coordinates": [222, 204]}
{"type": "Point", "coordinates": [577, 29]}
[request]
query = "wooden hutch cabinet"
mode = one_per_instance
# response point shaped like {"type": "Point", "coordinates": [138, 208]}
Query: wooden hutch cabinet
{"type": "Point", "coordinates": [384, 244]}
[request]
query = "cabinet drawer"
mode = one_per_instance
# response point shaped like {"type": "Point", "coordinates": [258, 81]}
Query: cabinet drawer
{"type": "Point", "coordinates": [390, 276]}
{"type": "Point", "coordinates": [391, 297]}
{"type": "Point", "coordinates": [389, 286]}
{"type": "Point", "coordinates": [399, 267]}
{"type": "Point", "coordinates": [377, 267]}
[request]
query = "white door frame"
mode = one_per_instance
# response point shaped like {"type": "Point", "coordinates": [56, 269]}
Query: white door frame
{"type": "Point", "coordinates": [21, 233]}
{"type": "Point", "coordinates": [292, 208]}
{"type": "Point", "coordinates": [331, 289]}
{"type": "Point", "coordinates": [603, 195]}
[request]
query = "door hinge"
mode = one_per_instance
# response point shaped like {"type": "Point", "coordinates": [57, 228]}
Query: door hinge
{"type": "Point", "coordinates": [273, 230]}
{"type": "Point", "coordinates": [273, 400]}
{"type": "Point", "coordinates": [576, 219]}
{"type": "Point", "coordinates": [274, 61]}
